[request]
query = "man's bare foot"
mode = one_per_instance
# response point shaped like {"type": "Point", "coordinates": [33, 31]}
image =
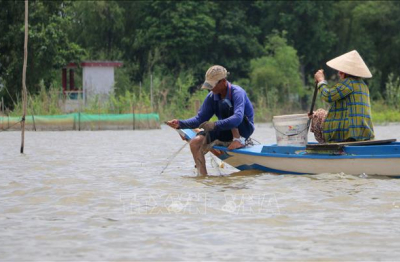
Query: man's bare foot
{"type": "Point", "coordinates": [235, 145]}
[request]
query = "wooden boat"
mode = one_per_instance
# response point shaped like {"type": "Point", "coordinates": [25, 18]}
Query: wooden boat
{"type": "Point", "coordinates": [376, 157]}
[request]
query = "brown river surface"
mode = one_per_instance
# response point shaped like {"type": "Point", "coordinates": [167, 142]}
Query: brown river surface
{"type": "Point", "coordinates": [134, 195]}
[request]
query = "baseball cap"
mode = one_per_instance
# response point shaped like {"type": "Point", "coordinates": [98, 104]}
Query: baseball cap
{"type": "Point", "coordinates": [213, 75]}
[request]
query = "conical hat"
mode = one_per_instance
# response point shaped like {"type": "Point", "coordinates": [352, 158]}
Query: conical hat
{"type": "Point", "coordinates": [350, 63]}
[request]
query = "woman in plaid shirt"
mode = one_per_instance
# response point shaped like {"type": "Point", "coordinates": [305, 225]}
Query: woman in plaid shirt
{"type": "Point", "coordinates": [349, 116]}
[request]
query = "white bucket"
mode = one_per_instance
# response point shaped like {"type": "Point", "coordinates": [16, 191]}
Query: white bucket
{"type": "Point", "coordinates": [291, 130]}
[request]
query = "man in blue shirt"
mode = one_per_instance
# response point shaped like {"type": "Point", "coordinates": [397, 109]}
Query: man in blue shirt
{"type": "Point", "coordinates": [234, 112]}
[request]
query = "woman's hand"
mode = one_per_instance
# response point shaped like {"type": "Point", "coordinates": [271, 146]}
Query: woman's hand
{"type": "Point", "coordinates": [319, 76]}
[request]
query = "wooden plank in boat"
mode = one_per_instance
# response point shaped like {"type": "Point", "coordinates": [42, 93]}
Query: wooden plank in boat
{"type": "Point", "coordinates": [338, 146]}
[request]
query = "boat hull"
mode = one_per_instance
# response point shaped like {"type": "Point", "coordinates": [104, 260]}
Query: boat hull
{"type": "Point", "coordinates": [355, 166]}
{"type": "Point", "coordinates": [371, 160]}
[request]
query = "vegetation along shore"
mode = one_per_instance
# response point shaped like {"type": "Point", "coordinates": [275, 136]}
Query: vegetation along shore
{"type": "Point", "coordinates": [272, 50]}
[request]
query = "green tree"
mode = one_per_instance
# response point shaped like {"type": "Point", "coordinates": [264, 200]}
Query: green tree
{"type": "Point", "coordinates": [49, 48]}
{"type": "Point", "coordinates": [308, 26]}
{"type": "Point", "coordinates": [378, 38]}
{"type": "Point", "coordinates": [276, 75]}
{"type": "Point", "coordinates": [235, 42]}
{"type": "Point", "coordinates": [99, 27]}
{"type": "Point", "coordinates": [176, 32]}
{"type": "Point", "coordinates": [192, 35]}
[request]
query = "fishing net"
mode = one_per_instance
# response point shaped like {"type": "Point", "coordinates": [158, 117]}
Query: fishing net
{"type": "Point", "coordinates": [81, 121]}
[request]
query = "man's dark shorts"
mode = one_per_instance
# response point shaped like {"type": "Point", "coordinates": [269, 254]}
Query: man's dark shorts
{"type": "Point", "coordinates": [246, 129]}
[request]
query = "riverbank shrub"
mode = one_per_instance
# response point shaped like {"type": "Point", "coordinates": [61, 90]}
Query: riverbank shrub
{"type": "Point", "coordinates": [46, 102]}
{"type": "Point", "coordinates": [383, 113]}
{"type": "Point", "coordinates": [182, 105]}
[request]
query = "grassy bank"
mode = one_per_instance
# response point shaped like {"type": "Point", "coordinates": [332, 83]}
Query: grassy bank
{"type": "Point", "coordinates": [383, 113]}
{"type": "Point", "coordinates": [181, 106]}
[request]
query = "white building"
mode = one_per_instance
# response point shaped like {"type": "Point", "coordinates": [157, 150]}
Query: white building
{"type": "Point", "coordinates": [98, 79]}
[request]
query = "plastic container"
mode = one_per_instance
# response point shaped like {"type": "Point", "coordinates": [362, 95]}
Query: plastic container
{"type": "Point", "coordinates": [291, 130]}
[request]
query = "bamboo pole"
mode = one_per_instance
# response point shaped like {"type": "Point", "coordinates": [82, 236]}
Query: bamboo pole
{"type": "Point", "coordinates": [151, 90]}
{"type": "Point", "coordinates": [24, 92]}
{"type": "Point", "coordinates": [2, 115]}
{"type": "Point", "coordinates": [133, 112]}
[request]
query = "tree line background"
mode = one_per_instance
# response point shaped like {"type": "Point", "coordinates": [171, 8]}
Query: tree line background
{"type": "Point", "coordinates": [271, 48]}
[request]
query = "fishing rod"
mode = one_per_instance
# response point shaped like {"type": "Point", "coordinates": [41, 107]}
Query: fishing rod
{"type": "Point", "coordinates": [173, 157]}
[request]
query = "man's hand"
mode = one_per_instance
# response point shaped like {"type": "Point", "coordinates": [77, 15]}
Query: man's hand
{"type": "Point", "coordinates": [208, 126]}
{"type": "Point", "coordinates": [319, 76]}
{"type": "Point", "coordinates": [174, 123]}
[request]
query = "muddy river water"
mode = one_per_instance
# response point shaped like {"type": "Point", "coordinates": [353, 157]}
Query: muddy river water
{"type": "Point", "coordinates": [134, 195]}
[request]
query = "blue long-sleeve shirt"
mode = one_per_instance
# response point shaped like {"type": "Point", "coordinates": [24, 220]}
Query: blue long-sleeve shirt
{"type": "Point", "coordinates": [241, 107]}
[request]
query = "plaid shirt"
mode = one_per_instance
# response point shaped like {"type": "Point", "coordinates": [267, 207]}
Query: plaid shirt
{"type": "Point", "coordinates": [350, 113]}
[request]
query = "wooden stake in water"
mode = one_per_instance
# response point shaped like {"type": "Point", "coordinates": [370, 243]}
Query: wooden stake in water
{"type": "Point", "coordinates": [24, 92]}
{"type": "Point", "coordinates": [151, 91]}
